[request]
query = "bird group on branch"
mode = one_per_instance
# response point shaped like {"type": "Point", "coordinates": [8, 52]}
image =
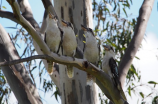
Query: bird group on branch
{"type": "Point", "coordinates": [63, 38]}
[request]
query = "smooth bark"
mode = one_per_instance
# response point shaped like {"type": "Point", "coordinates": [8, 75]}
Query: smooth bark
{"type": "Point", "coordinates": [144, 14]}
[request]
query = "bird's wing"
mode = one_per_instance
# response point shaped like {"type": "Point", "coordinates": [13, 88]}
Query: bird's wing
{"type": "Point", "coordinates": [98, 45]}
{"type": "Point", "coordinates": [113, 67]}
{"type": "Point", "coordinates": [114, 70]}
{"type": "Point", "coordinates": [84, 46]}
{"type": "Point", "coordinates": [61, 41]}
{"type": "Point", "coordinates": [45, 38]}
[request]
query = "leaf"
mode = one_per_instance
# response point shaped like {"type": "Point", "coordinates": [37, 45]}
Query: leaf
{"type": "Point", "coordinates": [152, 82]}
{"type": "Point", "coordinates": [12, 27]}
{"type": "Point", "coordinates": [4, 7]}
{"type": "Point", "coordinates": [155, 100]}
{"type": "Point", "coordinates": [142, 95]}
{"type": "Point", "coordinates": [137, 57]}
{"type": "Point", "coordinates": [76, 35]}
{"type": "Point", "coordinates": [129, 90]}
{"type": "Point", "coordinates": [125, 12]}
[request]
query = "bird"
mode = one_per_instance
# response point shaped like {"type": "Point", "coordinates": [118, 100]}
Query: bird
{"type": "Point", "coordinates": [69, 44]}
{"type": "Point", "coordinates": [90, 51]}
{"type": "Point", "coordinates": [53, 38]}
{"type": "Point", "coordinates": [109, 66]}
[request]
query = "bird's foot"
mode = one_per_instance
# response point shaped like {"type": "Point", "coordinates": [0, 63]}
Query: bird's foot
{"type": "Point", "coordinates": [73, 58]}
{"type": "Point", "coordinates": [58, 54]}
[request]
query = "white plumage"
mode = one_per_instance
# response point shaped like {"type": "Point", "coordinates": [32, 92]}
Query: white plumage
{"type": "Point", "coordinates": [53, 35]}
{"type": "Point", "coordinates": [69, 44]}
{"type": "Point", "coordinates": [105, 63]}
{"type": "Point", "coordinates": [109, 66]}
{"type": "Point", "coordinates": [53, 38]}
{"type": "Point", "coordinates": [91, 51]}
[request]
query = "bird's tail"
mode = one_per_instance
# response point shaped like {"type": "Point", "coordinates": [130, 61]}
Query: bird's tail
{"type": "Point", "coordinates": [70, 71]}
{"type": "Point", "coordinates": [50, 67]}
{"type": "Point", "coordinates": [90, 79]}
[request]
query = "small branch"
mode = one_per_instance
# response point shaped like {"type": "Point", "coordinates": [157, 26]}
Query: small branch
{"type": "Point", "coordinates": [26, 60]}
{"type": "Point", "coordinates": [8, 15]}
{"type": "Point", "coordinates": [49, 7]}
{"type": "Point", "coordinates": [144, 14]}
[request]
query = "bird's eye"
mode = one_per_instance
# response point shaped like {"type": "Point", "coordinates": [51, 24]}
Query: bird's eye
{"type": "Point", "coordinates": [112, 49]}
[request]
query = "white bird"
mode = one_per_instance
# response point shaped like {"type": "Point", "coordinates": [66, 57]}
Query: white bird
{"type": "Point", "coordinates": [91, 51]}
{"type": "Point", "coordinates": [53, 38]}
{"type": "Point", "coordinates": [109, 66]}
{"type": "Point", "coordinates": [69, 44]}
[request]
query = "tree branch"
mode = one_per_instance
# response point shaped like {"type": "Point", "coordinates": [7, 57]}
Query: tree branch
{"type": "Point", "coordinates": [144, 14]}
{"type": "Point", "coordinates": [28, 27]}
{"type": "Point", "coordinates": [17, 76]}
{"type": "Point", "coordinates": [8, 15]}
{"type": "Point", "coordinates": [79, 63]}
{"type": "Point", "coordinates": [27, 13]}
{"type": "Point", "coordinates": [82, 65]}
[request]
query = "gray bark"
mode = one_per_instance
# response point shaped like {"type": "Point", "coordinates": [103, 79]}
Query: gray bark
{"type": "Point", "coordinates": [144, 14]}
{"type": "Point", "coordinates": [16, 75]}
{"type": "Point", "coordinates": [75, 90]}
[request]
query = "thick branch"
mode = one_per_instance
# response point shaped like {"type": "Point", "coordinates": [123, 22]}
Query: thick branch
{"type": "Point", "coordinates": [79, 63]}
{"type": "Point", "coordinates": [17, 76]}
{"type": "Point", "coordinates": [144, 14]}
{"type": "Point", "coordinates": [82, 65]}
{"type": "Point", "coordinates": [27, 13]}
{"type": "Point", "coordinates": [28, 27]}
{"type": "Point", "coordinates": [34, 33]}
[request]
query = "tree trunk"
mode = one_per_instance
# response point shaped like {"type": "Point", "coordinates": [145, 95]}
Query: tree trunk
{"type": "Point", "coordinates": [75, 90]}
{"type": "Point", "coordinates": [16, 75]}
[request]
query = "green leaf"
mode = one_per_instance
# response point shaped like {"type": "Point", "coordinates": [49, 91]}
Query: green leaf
{"type": "Point", "coordinates": [129, 90]}
{"type": "Point", "coordinates": [4, 7]}
{"type": "Point", "coordinates": [125, 12]}
{"type": "Point", "coordinates": [142, 95]}
{"type": "Point", "coordinates": [155, 100]}
{"type": "Point", "coordinates": [152, 82]}
{"type": "Point", "coordinates": [137, 57]}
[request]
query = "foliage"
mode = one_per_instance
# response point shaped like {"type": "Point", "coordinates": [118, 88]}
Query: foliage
{"type": "Point", "coordinates": [4, 89]}
{"type": "Point", "coordinates": [113, 27]}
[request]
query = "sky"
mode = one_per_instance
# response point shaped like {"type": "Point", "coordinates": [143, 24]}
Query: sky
{"type": "Point", "coordinates": [148, 54]}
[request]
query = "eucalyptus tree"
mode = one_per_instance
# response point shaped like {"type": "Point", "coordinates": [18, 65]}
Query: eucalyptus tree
{"type": "Point", "coordinates": [74, 90]}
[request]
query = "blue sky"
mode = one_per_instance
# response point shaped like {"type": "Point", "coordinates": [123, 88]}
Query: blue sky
{"type": "Point", "coordinates": [147, 54]}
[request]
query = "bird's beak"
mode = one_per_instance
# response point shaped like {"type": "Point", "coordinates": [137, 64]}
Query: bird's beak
{"type": "Point", "coordinates": [83, 28]}
{"type": "Point", "coordinates": [64, 23]}
{"type": "Point", "coordinates": [50, 16]}
{"type": "Point", "coordinates": [106, 47]}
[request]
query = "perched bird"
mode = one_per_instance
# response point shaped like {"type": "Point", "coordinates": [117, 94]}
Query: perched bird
{"type": "Point", "coordinates": [69, 44]}
{"type": "Point", "coordinates": [53, 38]}
{"type": "Point", "coordinates": [109, 66]}
{"type": "Point", "coordinates": [91, 51]}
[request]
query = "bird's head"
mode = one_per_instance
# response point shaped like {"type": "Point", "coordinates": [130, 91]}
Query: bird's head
{"type": "Point", "coordinates": [87, 30]}
{"type": "Point", "coordinates": [53, 17]}
{"type": "Point", "coordinates": [109, 48]}
{"type": "Point", "coordinates": [67, 24]}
